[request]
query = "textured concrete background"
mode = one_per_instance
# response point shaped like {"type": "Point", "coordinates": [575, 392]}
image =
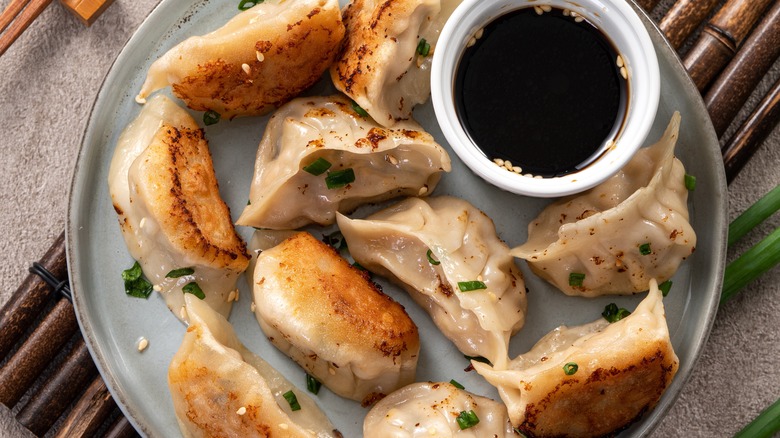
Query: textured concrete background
{"type": "Point", "coordinates": [50, 78]}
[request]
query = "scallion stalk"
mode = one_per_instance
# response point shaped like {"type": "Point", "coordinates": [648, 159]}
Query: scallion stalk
{"type": "Point", "coordinates": [750, 265]}
{"type": "Point", "coordinates": [762, 209]}
{"type": "Point", "coordinates": [766, 425]}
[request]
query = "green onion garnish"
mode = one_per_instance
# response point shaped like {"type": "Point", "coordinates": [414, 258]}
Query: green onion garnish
{"type": "Point", "coordinates": [690, 182]}
{"type": "Point", "coordinates": [359, 110]}
{"type": "Point", "coordinates": [570, 368]}
{"type": "Point", "coordinates": [750, 265]}
{"type": "Point", "coordinates": [248, 4]}
{"type": "Point", "coordinates": [432, 260]}
{"type": "Point", "coordinates": [340, 178]}
{"type": "Point", "coordinates": [478, 359]}
{"type": "Point", "coordinates": [467, 419]}
{"type": "Point", "coordinates": [766, 425]}
{"type": "Point", "coordinates": [665, 287]}
{"type": "Point", "coordinates": [181, 272]}
{"type": "Point", "coordinates": [318, 166]}
{"type": "Point", "coordinates": [193, 288]}
{"type": "Point", "coordinates": [468, 286]}
{"type": "Point", "coordinates": [576, 279]}
{"type": "Point", "coordinates": [292, 400]}
{"type": "Point", "coordinates": [456, 384]}
{"type": "Point", "coordinates": [644, 249]}
{"type": "Point", "coordinates": [762, 209]}
{"type": "Point", "coordinates": [135, 284]}
{"type": "Point", "coordinates": [211, 117]}
{"type": "Point", "coordinates": [312, 384]}
{"type": "Point", "coordinates": [614, 314]}
{"type": "Point", "coordinates": [423, 47]}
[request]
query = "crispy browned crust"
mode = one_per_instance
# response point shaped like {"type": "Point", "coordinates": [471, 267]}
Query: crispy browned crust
{"type": "Point", "coordinates": [605, 401]}
{"type": "Point", "coordinates": [180, 178]}
{"type": "Point", "coordinates": [293, 61]}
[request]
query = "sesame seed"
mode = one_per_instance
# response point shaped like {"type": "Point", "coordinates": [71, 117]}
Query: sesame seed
{"type": "Point", "coordinates": [624, 72]}
{"type": "Point", "coordinates": [508, 164]}
{"type": "Point", "coordinates": [566, 12]}
{"type": "Point", "coordinates": [157, 288]}
{"type": "Point", "coordinates": [332, 371]}
{"type": "Point", "coordinates": [252, 307]}
{"type": "Point", "coordinates": [232, 296]}
{"type": "Point", "coordinates": [528, 175]}
{"type": "Point", "coordinates": [538, 177]}
{"type": "Point", "coordinates": [538, 10]}
{"type": "Point", "coordinates": [479, 33]}
{"type": "Point", "coordinates": [471, 42]}
{"type": "Point", "coordinates": [420, 60]}
{"type": "Point", "coordinates": [393, 160]}
{"type": "Point", "coordinates": [140, 100]}
{"type": "Point", "coordinates": [246, 68]}
{"type": "Point", "coordinates": [142, 344]}
{"type": "Point", "coordinates": [241, 410]}
{"type": "Point", "coordinates": [283, 426]}
{"type": "Point", "coordinates": [183, 312]}
{"type": "Point", "coordinates": [142, 223]}
{"type": "Point", "coordinates": [492, 297]}
{"type": "Point", "coordinates": [498, 162]}
{"type": "Point", "coordinates": [260, 56]}
{"type": "Point", "coordinates": [578, 19]}
{"type": "Point", "coordinates": [546, 8]}
{"type": "Point", "coordinates": [479, 277]}
{"type": "Point", "coordinates": [517, 169]}
{"type": "Point", "coordinates": [423, 190]}
{"type": "Point", "coordinates": [619, 61]}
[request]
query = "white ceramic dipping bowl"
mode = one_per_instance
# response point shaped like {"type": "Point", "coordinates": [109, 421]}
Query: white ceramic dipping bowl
{"type": "Point", "coordinates": [614, 18]}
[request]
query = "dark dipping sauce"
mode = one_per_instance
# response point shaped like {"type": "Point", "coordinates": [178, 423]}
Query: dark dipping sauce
{"type": "Point", "coordinates": [542, 91]}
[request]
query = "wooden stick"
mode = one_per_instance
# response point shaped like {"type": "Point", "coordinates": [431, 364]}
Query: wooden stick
{"type": "Point", "coordinates": [11, 11]}
{"type": "Point", "coordinates": [720, 39]}
{"type": "Point", "coordinates": [752, 133]}
{"type": "Point", "coordinates": [22, 22]}
{"type": "Point", "coordinates": [733, 87]}
{"type": "Point", "coordinates": [46, 406]}
{"type": "Point", "coordinates": [44, 343]}
{"type": "Point", "coordinates": [683, 18]}
{"type": "Point", "coordinates": [121, 428]}
{"type": "Point", "coordinates": [92, 409]}
{"type": "Point", "coordinates": [30, 298]}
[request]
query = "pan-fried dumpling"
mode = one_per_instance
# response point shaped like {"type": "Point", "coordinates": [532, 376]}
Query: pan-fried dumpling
{"type": "Point", "coordinates": [164, 189]}
{"type": "Point", "coordinates": [445, 253]}
{"type": "Point", "coordinates": [258, 60]}
{"type": "Point", "coordinates": [380, 66]}
{"type": "Point", "coordinates": [328, 317]}
{"type": "Point", "coordinates": [318, 156]}
{"type": "Point", "coordinates": [423, 410]}
{"type": "Point", "coordinates": [617, 236]}
{"type": "Point", "coordinates": [591, 380]}
{"type": "Point", "coordinates": [220, 388]}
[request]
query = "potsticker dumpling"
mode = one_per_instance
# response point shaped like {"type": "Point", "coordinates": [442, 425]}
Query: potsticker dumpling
{"type": "Point", "coordinates": [333, 321]}
{"type": "Point", "coordinates": [258, 60]}
{"type": "Point", "coordinates": [615, 237]}
{"type": "Point", "coordinates": [592, 380]}
{"type": "Point", "coordinates": [318, 156]}
{"type": "Point", "coordinates": [423, 410]}
{"type": "Point", "coordinates": [219, 388]}
{"type": "Point", "coordinates": [445, 253]}
{"type": "Point", "coordinates": [380, 66]}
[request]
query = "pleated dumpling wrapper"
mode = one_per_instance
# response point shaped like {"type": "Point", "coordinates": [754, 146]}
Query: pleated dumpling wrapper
{"type": "Point", "coordinates": [175, 224]}
{"type": "Point", "coordinates": [333, 321]}
{"type": "Point", "coordinates": [615, 237]}
{"type": "Point", "coordinates": [220, 388]}
{"type": "Point", "coordinates": [446, 254]}
{"type": "Point", "coordinates": [318, 156]}
{"type": "Point", "coordinates": [386, 62]}
{"type": "Point", "coordinates": [429, 409]}
{"type": "Point", "coordinates": [591, 380]}
{"type": "Point", "coordinates": [257, 61]}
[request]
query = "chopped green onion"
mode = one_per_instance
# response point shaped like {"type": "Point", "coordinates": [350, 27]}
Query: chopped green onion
{"type": "Point", "coordinates": [423, 47]}
{"type": "Point", "coordinates": [181, 272]}
{"type": "Point", "coordinates": [358, 109]}
{"type": "Point", "coordinates": [292, 400]}
{"type": "Point", "coordinates": [570, 368]}
{"type": "Point", "coordinates": [248, 4]}
{"type": "Point", "coordinates": [193, 288]}
{"type": "Point", "coordinates": [478, 359]}
{"type": "Point", "coordinates": [456, 384]}
{"type": "Point", "coordinates": [762, 209]}
{"type": "Point", "coordinates": [665, 287]}
{"type": "Point", "coordinates": [576, 279]}
{"type": "Point", "coordinates": [135, 284]}
{"type": "Point", "coordinates": [432, 260]}
{"type": "Point", "coordinates": [318, 166]}
{"type": "Point", "coordinates": [766, 425]}
{"type": "Point", "coordinates": [468, 286]}
{"type": "Point", "coordinates": [467, 419]}
{"type": "Point", "coordinates": [340, 178]}
{"type": "Point", "coordinates": [690, 182]}
{"type": "Point", "coordinates": [614, 314]}
{"type": "Point", "coordinates": [211, 117]}
{"type": "Point", "coordinates": [750, 265]}
{"type": "Point", "coordinates": [335, 239]}
{"type": "Point", "coordinates": [644, 249]}
{"type": "Point", "coordinates": [312, 384]}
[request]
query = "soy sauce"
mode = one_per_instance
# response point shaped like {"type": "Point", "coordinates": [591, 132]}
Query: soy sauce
{"type": "Point", "coordinates": [542, 91]}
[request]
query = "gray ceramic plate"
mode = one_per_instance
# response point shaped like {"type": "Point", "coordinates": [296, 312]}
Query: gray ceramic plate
{"type": "Point", "coordinates": [112, 323]}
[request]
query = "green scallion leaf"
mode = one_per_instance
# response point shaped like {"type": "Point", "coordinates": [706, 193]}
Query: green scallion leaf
{"type": "Point", "coordinates": [644, 249]}
{"type": "Point", "coordinates": [135, 284]}
{"type": "Point", "coordinates": [478, 359]}
{"type": "Point", "coordinates": [248, 4]}
{"type": "Point", "coordinates": [318, 166]}
{"type": "Point", "coordinates": [359, 110]}
{"type": "Point", "coordinates": [312, 384]}
{"type": "Point", "coordinates": [340, 178]}
{"type": "Point", "coordinates": [456, 384]}
{"type": "Point", "coordinates": [423, 47]}
{"type": "Point", "coordinates": [690, 182]}
{"type": "Point", "coordinates": [468, 286]}
{"type": "Point", "coordinates": [768, 205]}
{"type": "Point", "coordinates": [570, 368]}
{"type": "Point", "coordinates": [766, 425]}
{"type": "Point", "coordinates": [432, 260]}
{"type": "Point", "coordinates": [614, 314]}
{"type": "Point", "coordinates": [467, 419]}
{"type": "Point", "coordinates": [292, 400]}
{"type": "Point", "coordinates": [193, 288]}
{"type": "Point", "coordinates": [576, 279]}
{"type": "Point", "coordinates": [181, 272]}
{"type": "Point", "coordinates": [750, 265]}
{"type": "Point", "coordinates": [211, 117]}
{"type": "Point", "coordinates": [665, 287]}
